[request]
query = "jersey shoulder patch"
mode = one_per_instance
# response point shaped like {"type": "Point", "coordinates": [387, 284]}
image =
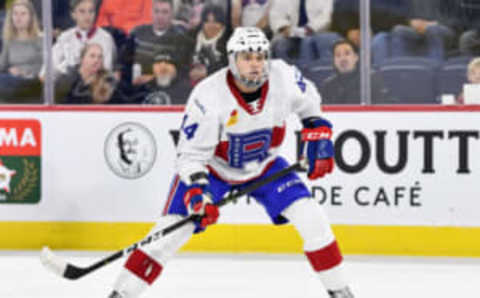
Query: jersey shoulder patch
{"type": "Point", "coordinates": [290, 73]}
{"type": "Point", "coordinates": [299, 79]}
{"type": "Point", "coordinates": [202, 98]}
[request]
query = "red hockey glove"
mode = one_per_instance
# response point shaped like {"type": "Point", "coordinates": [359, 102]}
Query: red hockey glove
{"type": "Point", "coordinates": [198, 201]}
{"type": "Point", "coordinates": [317, 148]}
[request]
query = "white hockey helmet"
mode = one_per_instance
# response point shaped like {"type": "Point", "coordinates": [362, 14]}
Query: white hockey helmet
{"type": "Point", "coordinates": [248, 39]}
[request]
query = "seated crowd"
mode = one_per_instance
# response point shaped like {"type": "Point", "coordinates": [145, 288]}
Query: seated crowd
{"type": "Point", "coordinates": [155, 51]}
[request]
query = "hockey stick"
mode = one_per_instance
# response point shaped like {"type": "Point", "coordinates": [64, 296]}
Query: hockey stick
{"type": "Point", "coordinates": [67, 270]}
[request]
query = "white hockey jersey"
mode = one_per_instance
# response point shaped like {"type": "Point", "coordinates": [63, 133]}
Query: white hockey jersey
{"type": "Point", "coordinates": [235, 140]}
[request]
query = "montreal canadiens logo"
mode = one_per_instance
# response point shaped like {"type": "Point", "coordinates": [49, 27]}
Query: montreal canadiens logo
{"type": "Point", "coordinates": [130, 150]}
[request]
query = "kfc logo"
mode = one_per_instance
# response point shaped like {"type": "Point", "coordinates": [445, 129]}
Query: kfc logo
{"type": "Point", "coordinates": [130, 150]}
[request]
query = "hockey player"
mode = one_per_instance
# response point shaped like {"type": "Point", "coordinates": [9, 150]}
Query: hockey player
{"type": "Point", "coordinates": [231, 132]}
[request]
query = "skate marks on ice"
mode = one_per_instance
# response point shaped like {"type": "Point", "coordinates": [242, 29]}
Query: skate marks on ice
{"type": "Point", "coordinates": [245, 276]}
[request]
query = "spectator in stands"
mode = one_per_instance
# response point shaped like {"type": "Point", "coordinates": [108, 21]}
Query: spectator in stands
{"type": "Point", "coordinates": [188, 14]}
{"type": "Point", "coordinates": [344, 86]}
{"type": "Point", "coordinates": [166, 87]}
{"type": "Point", "coordinates": [473, 76]}
{"type": "Point", "coordinates": [424, 34]}
{"type": "Point", "coordinates": [300, 18]}
{"type": "Point", "coordinates": [468, 18]}
{"type": "Point", "coordinates": [89, 82]}
{"type": "Point", "coordinates": [66, 51]}
{"type": "Point", "coordinates": [210, 51]}
{"type": "Point", "coordinates": [161, 35]}
{"type": "Point", "coordinates": [294, 20]}
{"type": "Point", "coordinates": [22, 52]}
{"type": "Point", "coordinates": [125, 14]}
{"type": "Point", "coordinates": [385, 14]}
{"type": "Point", "coordinates": [251, 13]}
{"type": "Point", "coordinates": [22, 55]}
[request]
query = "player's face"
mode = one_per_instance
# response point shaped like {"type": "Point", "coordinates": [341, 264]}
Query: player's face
{"type": "Point", "coordinates": [93, 59]}
{"type": "Point", "coordinates": [21, 17]}
{"type": "Point", "coordinates": [162, 15]}
{"type": "Point", "coordinates": [84, 15]}
{"type": "Point", "coordinates": [474, 75]}
{"type": "Point", "coordinates": [345, 58]}
{"type": "Point", "coordinates": [251, 65]}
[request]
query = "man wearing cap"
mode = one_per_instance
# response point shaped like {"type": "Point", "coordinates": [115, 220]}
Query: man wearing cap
{"type": "Point", "coordinates": [166, 86]}
{"type": "Point", "coordinates": [160, 35]}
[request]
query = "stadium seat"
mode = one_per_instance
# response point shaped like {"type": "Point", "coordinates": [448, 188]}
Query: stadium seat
{"type": "Point", "coordinates": [303, 51]}
{"type": "Point", "coordinates": [410, 79]}
{"type": "Point", "coordinates": [452, 75]}
{"type": "Point", "coordinates": [322, 45]}
{"type": "Point", "coordinates": [281, 50]}
{"type": "Point", "coordinates": [406, 43]}
{"type": "Point", "coordinates": [381, 47]}
{"type": "Point", "coordinates": [318, 71]}
{"type": "Point", "coordinates": [295, 51]}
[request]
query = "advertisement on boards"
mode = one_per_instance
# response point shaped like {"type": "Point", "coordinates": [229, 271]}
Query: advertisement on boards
{"type": "Point", "coordinates": [20, 161]}
{"type": "Point", "coordinates": [407, 168]}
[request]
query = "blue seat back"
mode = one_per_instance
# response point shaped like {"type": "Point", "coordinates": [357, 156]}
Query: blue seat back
{"type": "Point", "coordinates": [452, 75]}
{"type": "Point", "coordinates": [318, 71]}
{"type": "Point", "coordinates": [410, 79]}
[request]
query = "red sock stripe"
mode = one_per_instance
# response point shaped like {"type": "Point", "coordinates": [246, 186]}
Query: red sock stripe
{"type": "Point", "coordinates": [325, 258]}
{"type": "Point", "coordinates": [143, 266]}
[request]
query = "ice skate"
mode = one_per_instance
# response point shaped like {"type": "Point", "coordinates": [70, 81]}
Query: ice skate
{"type": "Point", "coordinates": [116, 294]}
{"type": "Point", "coordinates": [342, 293]}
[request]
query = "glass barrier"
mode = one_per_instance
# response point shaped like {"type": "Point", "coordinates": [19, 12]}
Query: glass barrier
{"type": "Point", "coordinates": [338, 76]}
{"type": "Point", "coordinates": [422, 49]}
{"type": "Point", "coordinates": [138, 52]}
{"type": "Point", "coordinates": [155, 51]}
{"type": "Point", "coordinates": [83, 55]}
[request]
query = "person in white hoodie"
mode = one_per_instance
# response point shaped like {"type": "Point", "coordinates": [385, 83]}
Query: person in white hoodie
{"type": "Point", "coordinates": [66, 50]}
{"type": "Point", "coordinates": [300, 18]}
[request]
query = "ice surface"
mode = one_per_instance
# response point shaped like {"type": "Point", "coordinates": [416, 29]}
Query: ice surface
{"type": "Point", "coordinates": [235, 276]}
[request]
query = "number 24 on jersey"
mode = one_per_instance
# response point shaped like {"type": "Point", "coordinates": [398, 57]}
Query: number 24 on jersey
{"type": "Point", "coordinates": [189, 130]}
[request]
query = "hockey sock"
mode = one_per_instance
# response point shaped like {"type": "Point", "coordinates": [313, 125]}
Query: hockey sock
{"type": "Point", "coordinates": [327, 263]}
{"type": "Point", "coordinates": [140, 271]}
{"type": "Point", "coordinates": [325, 258]}
{"type": "Point", "coordinates": [319, 244]}
{"type": "Point", "coordinates": [143, 266]}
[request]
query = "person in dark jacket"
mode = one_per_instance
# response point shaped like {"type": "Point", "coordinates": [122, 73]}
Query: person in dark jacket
{"type": "Point", "coordinates": [162, 34]}
{"type": "Point", "coordinates": [385, 14]}
{"type": "Point", "coordinates": [344, 86]}
{"type": "Point", "coordinates": [89, 82]}
{"type": "Point", "coordinates": [210, 50]}
{"type": "Point", "coordinates": [168, 86]}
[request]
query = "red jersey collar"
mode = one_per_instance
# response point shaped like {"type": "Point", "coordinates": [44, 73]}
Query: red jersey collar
{"type": "Point", "coordinates": [90, 33]}
{"type": "Point", "coordinates": [236, 93]}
